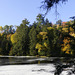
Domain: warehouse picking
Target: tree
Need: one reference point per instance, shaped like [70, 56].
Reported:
[33, 40]
[66, 47]
[40, 19]
[5, 45]
[21, 47]
[14, 38]
[1, 29]
[48, 4]
[11, 29]
[45, 25]
[6, 29]
[54, 43]
[59, 22]
[42, 45]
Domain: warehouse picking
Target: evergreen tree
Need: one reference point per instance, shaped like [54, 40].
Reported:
[53, 37]
[5, 45]
[59, 22]
[21, 47]
[33, 40]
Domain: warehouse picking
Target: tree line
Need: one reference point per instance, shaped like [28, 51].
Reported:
[42, 38]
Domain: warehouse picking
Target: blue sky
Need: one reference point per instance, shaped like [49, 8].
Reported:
[12, 12]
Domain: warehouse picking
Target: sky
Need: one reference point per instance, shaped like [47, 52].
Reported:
[12, 12]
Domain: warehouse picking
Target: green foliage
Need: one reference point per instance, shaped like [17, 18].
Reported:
[42, 46]
[7, 29]
[59, 22]
[42, 38]
[21, 46]
[33, 41]
[40, 19]
[5, 45]
[53, 37]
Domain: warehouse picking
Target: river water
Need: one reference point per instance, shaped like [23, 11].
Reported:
[30, 65]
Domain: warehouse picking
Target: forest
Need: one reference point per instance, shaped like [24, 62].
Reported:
[42, 38]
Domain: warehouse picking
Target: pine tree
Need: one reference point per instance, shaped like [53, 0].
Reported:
[21, 47]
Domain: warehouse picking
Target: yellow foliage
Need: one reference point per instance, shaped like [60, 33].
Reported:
[41, 47]
[13, 38]
[1, 34]
[45, 44]
[8, 36]
[0, 27]
[41, 36]
[72, 34]
[44, 37]
[43, 33]
[58, 26]
[67, 40]
[38, 46]
[71, 29]
[50, 28]
[67, 51]
[65, 29]
[66, 46]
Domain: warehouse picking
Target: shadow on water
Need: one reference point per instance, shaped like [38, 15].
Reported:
[65, 64]
[60, 64]
[20, 60]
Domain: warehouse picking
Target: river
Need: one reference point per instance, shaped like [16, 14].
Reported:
[30, 65]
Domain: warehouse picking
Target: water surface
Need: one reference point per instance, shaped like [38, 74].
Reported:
[22, 65]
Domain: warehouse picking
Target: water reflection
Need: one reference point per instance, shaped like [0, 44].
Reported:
[14, 60]
[60, 64]
[66, 64]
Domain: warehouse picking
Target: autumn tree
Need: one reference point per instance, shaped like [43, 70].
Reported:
[42, 45]
[1, 29]
[66, 47]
